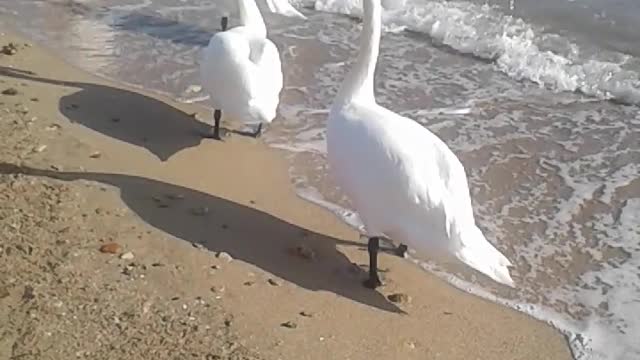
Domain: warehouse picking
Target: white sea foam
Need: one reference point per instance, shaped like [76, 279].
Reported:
[517, 48]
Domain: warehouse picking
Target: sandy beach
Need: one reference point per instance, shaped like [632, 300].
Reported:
[216, 256]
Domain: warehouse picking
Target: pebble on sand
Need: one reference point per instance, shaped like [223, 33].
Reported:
[193, 89]
[29, 293]
[224, 256]
[303, 251]
[201, 211]
[146, 306]
[95, 155]
[10, 49]
[10, 91]
[274, 282]
[289, 325]
[110, 248]
[217, 289]
[4, 292]
[174, 196]
[127, 256]
[399, 298]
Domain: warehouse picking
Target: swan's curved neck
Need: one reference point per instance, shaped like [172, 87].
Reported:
[358, 85]
[250, 17]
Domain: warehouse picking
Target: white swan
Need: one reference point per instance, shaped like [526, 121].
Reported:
[241, 68]
[405, 183]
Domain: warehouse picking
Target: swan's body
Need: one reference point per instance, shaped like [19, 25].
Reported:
[405, 183]
[241, 69]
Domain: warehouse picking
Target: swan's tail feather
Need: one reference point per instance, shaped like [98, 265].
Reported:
[262, 111]
[478, 253]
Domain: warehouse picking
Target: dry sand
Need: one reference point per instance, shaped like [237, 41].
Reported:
[85, 162]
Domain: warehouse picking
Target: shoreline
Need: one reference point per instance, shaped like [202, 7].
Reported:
[144, 150]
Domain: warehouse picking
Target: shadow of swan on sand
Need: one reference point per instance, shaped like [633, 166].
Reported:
[245, 233]
[124, 115]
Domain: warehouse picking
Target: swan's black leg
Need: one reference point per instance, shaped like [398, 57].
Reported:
[373, 281]
[217, 114]
[224, 22]
[258, 131]
[401, 250]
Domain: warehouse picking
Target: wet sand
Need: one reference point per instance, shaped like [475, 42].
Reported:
[121, 165]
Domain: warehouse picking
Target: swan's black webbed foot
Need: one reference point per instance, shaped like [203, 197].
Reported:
[401, 250]
[258, 131]
[219, 135]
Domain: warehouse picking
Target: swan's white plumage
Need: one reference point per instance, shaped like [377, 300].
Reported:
[405, 183]
[242, 73]
[241, 69]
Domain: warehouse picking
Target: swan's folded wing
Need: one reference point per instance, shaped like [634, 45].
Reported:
[266, 79]
[436, 175]
[243, 75]
[264, 55]
[219, 67]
